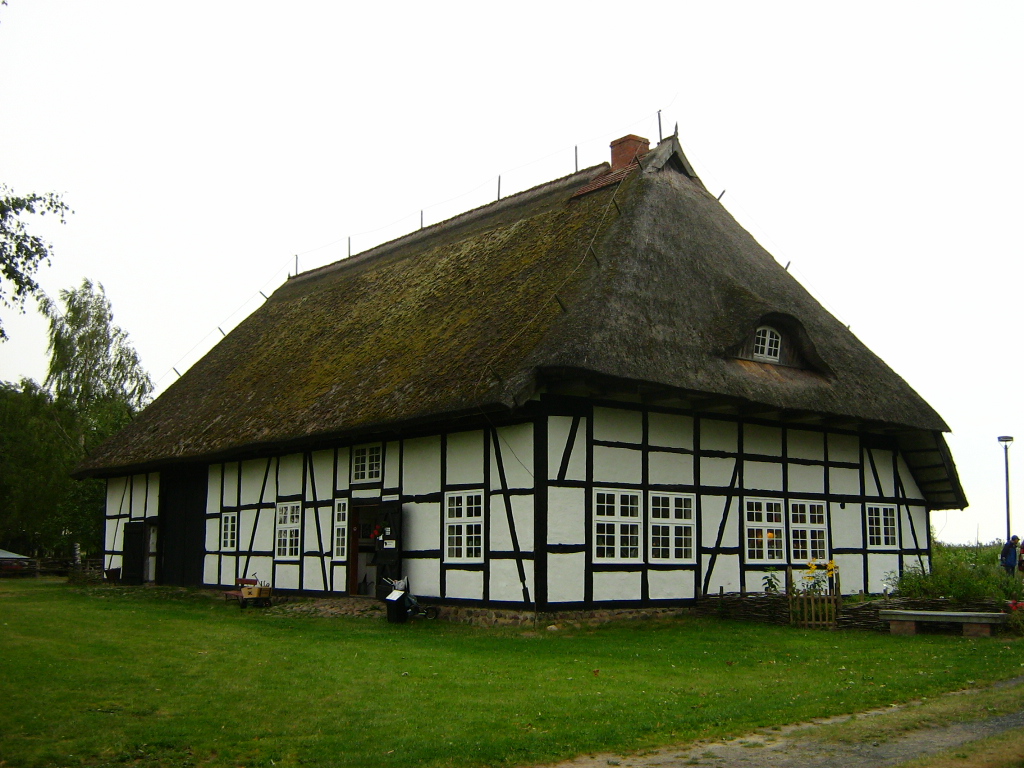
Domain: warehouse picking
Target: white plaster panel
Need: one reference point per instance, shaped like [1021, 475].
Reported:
[113, 561]
[264, 521]
[566, 574]
[920, 519]
[113, 535]
[253, 473]
[879, 565]
[153, 498]
[805, 478]
[716, 472]
[844, 481]
[802, 444]
[726, 574]
[343, 470]
[618, 425]
[313, 574]
[316, 530]
[762, 440]
[883, 465]
[337, 575]
[227, 570]
[843, 448]
[229, 489]
[465, 458]
[117, 496]
[422, 466]
[669, 431]
[711, 510]
[424, 576]
[617, 465]
[516, 446]
[718, 435]
[762, 476]
[213, 480]
[566, 518]
[847, 532]
[616, 586]
[910, 488]
[670, 585]
[289, 475]
[260, 568]
[211, 569]
[559, 429]
[421, 526]
[212, 534]
[522, 516]
[286, 575]
[503, 582]
[321, 476]
[366, 493]
[466, 585]
[137, 490]
[851, 573]
[392, 464]
[670, 468]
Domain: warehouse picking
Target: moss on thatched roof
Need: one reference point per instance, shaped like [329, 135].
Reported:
[647, 279]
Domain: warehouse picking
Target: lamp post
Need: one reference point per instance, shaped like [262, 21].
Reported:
[1006, 440]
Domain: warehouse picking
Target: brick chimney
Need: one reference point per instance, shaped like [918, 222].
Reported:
[627, 148]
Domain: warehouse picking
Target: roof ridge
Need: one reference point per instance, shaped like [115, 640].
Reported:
[459, 219]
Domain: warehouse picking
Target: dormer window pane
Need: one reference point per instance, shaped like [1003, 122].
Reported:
[767, 343]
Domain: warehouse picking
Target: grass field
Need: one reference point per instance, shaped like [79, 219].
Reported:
[104, 677]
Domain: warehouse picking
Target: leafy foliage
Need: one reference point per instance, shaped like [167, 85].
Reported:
[94, 369]
[960, 572]
[21, 252]
[95, 385]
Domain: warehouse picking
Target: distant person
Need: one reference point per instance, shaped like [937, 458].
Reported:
[1008, 556]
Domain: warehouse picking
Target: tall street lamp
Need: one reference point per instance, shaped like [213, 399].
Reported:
[1006, 440]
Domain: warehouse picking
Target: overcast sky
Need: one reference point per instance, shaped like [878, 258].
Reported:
[204, 145]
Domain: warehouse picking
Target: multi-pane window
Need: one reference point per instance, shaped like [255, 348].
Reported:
[767, 343]
[765, 531]
[464, 527]
[881, 526]
[671, 526]
[229, 531]
[340, 529]
[289, 518]
[807, 531]
[617, 526]
[366, 463]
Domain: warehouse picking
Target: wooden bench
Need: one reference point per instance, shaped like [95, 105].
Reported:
[975, 624]
[249, 590]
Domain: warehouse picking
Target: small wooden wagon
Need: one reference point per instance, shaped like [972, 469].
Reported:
[250, 591]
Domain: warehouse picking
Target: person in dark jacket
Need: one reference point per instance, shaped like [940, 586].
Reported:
[1008, 556]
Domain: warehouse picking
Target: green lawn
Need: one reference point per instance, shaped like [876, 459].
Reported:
[152, 678]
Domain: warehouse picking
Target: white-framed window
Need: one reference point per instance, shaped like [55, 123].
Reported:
[765, 532]
[229, 531]
[808, 534]
[767, 344]
[340, 529]
[881, 526]
[366, 463]
[289, 519]
[617, 526]
[671, 526]
[464, 527]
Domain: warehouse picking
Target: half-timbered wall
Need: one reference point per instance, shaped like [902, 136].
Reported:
[763, 496]
[585, 504]
[131, 499]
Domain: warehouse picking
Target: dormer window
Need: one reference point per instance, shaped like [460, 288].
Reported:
[767, 344]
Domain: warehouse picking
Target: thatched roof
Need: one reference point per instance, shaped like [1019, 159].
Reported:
[635, 278]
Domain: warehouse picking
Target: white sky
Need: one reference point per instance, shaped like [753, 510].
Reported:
[203, 144]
